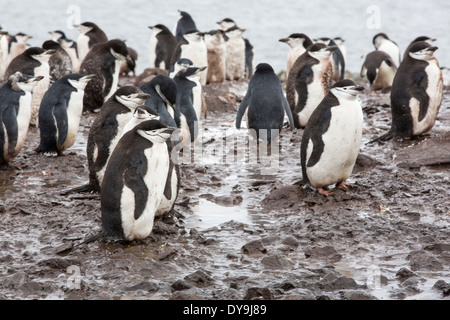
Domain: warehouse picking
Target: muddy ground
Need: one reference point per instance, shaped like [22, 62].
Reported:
[237, 231]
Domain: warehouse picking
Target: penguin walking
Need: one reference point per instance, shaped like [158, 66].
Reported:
[235, 62]
[379, 69]
[298, 43]
[188, 103]
[332, 138]
[416, 93]
[337, 61]
[15, 114]
[193, 47]
[217, 56]
[60, 62]
[60, 114]
[266, 105]
[103, 61]
[382, 42]
[309, 81]
[34, 62]
[17, 45]
[161, 47]
[107, 129]
[134, 183]
[184, 24]
[90, 34]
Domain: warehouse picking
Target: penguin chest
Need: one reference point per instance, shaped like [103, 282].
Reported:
[293, 55]
[385, 77]
[74, 111]
[392, 50]
[235, 62]
[197, 100]
[152, 53]
[82, 46]
[423, 123]
[115, 80]
[157, 158]
[341, 144]
[23, 121]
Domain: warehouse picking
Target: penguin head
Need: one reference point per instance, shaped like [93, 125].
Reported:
[346, 89]
[119, 50]
[85, 27]
[39, 54]
[65, 44]
[264, 68]
[424, 38]
[339, 41]
[131, 97]
[234, 32]
[326, 41]
[166, 88]
[226, 24]
[379, 38]
[57, 35]
[321, 51]
[22, 38]
[144, 112]
[193, 36]
[297, 39]
[181, 65]
[214, 37]
[155, 131]
[422, 51]
[23, 82]
[51, 45]
[79, 81]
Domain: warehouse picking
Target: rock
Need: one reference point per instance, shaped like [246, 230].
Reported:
[143, 285]
[357, 295]
[199, 279]
[290, 241]
[421, 260]
[327, 253]
[275, 262]
[258, 294]
[254, 247]
[404, 273]
[180, 285]
[343, 283]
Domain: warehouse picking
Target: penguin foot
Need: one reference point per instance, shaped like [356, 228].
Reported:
[326, 193]
[343, 186]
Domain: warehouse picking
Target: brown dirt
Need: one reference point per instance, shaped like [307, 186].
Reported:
[237, 233]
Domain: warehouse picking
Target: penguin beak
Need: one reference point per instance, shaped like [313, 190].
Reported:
[284, 40]
[332, 48]
[39, 78]
[143, 96]
[87, 78]
[433, 48]
[129, 60]
[50, 52]
[358, 88]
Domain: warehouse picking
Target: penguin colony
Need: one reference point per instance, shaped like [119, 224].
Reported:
[131, 141]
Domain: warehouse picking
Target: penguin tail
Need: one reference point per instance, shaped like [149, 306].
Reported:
[385, 137]
[98, 236]
[300, 183]
[81, 189]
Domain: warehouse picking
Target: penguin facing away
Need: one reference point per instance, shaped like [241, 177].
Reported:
[60, 114]
[235, 62]
[379, 69]
[60, 62]
[103, 61]
[298, 43]
[90, 34]
[416, 93]
[309, 81]
[15, 114]
[382, 42]
[337, 61]
[161, 47]
[216, 53]
[421, 38]
[266, 105]
[185, 23]
[107, 129]
[134, 183]
[332, 138]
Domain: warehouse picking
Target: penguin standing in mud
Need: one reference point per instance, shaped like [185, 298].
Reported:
[298, 43]
[134, 183]
[161, 47]
[15, 114]
[332, 138]
[103, 61]
[107, 129]
[416, 93]
[60, 62]
[34, 62]
[193, 47]
[188, 102]
[337, 60]
[217, 51]
[379, 69]
[90, 34]
[309, 81]
[60, 114]
[184, 24]
[266, 105]
[382, 42]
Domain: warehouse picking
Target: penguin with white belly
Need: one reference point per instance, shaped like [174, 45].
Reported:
[309, 81]
[134, 182]
[416, 93]
[161, 47]
[332, 138]
[107, 129]
[337, 61]
[236, 47]
[298, 43]
[103, 61]
[421, 38]
[60, 114]
[217, 56]
[15, 114]
[34, 62]
[379, 69]
[90, 34]
[17, 45]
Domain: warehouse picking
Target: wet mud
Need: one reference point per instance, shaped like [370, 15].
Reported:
[241, 228]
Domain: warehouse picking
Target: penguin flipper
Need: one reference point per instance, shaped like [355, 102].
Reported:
[288, 111]
[60, 115]
[134, 179]
[242, 107]
[305, 77]
[420, 83]
[12, 129]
